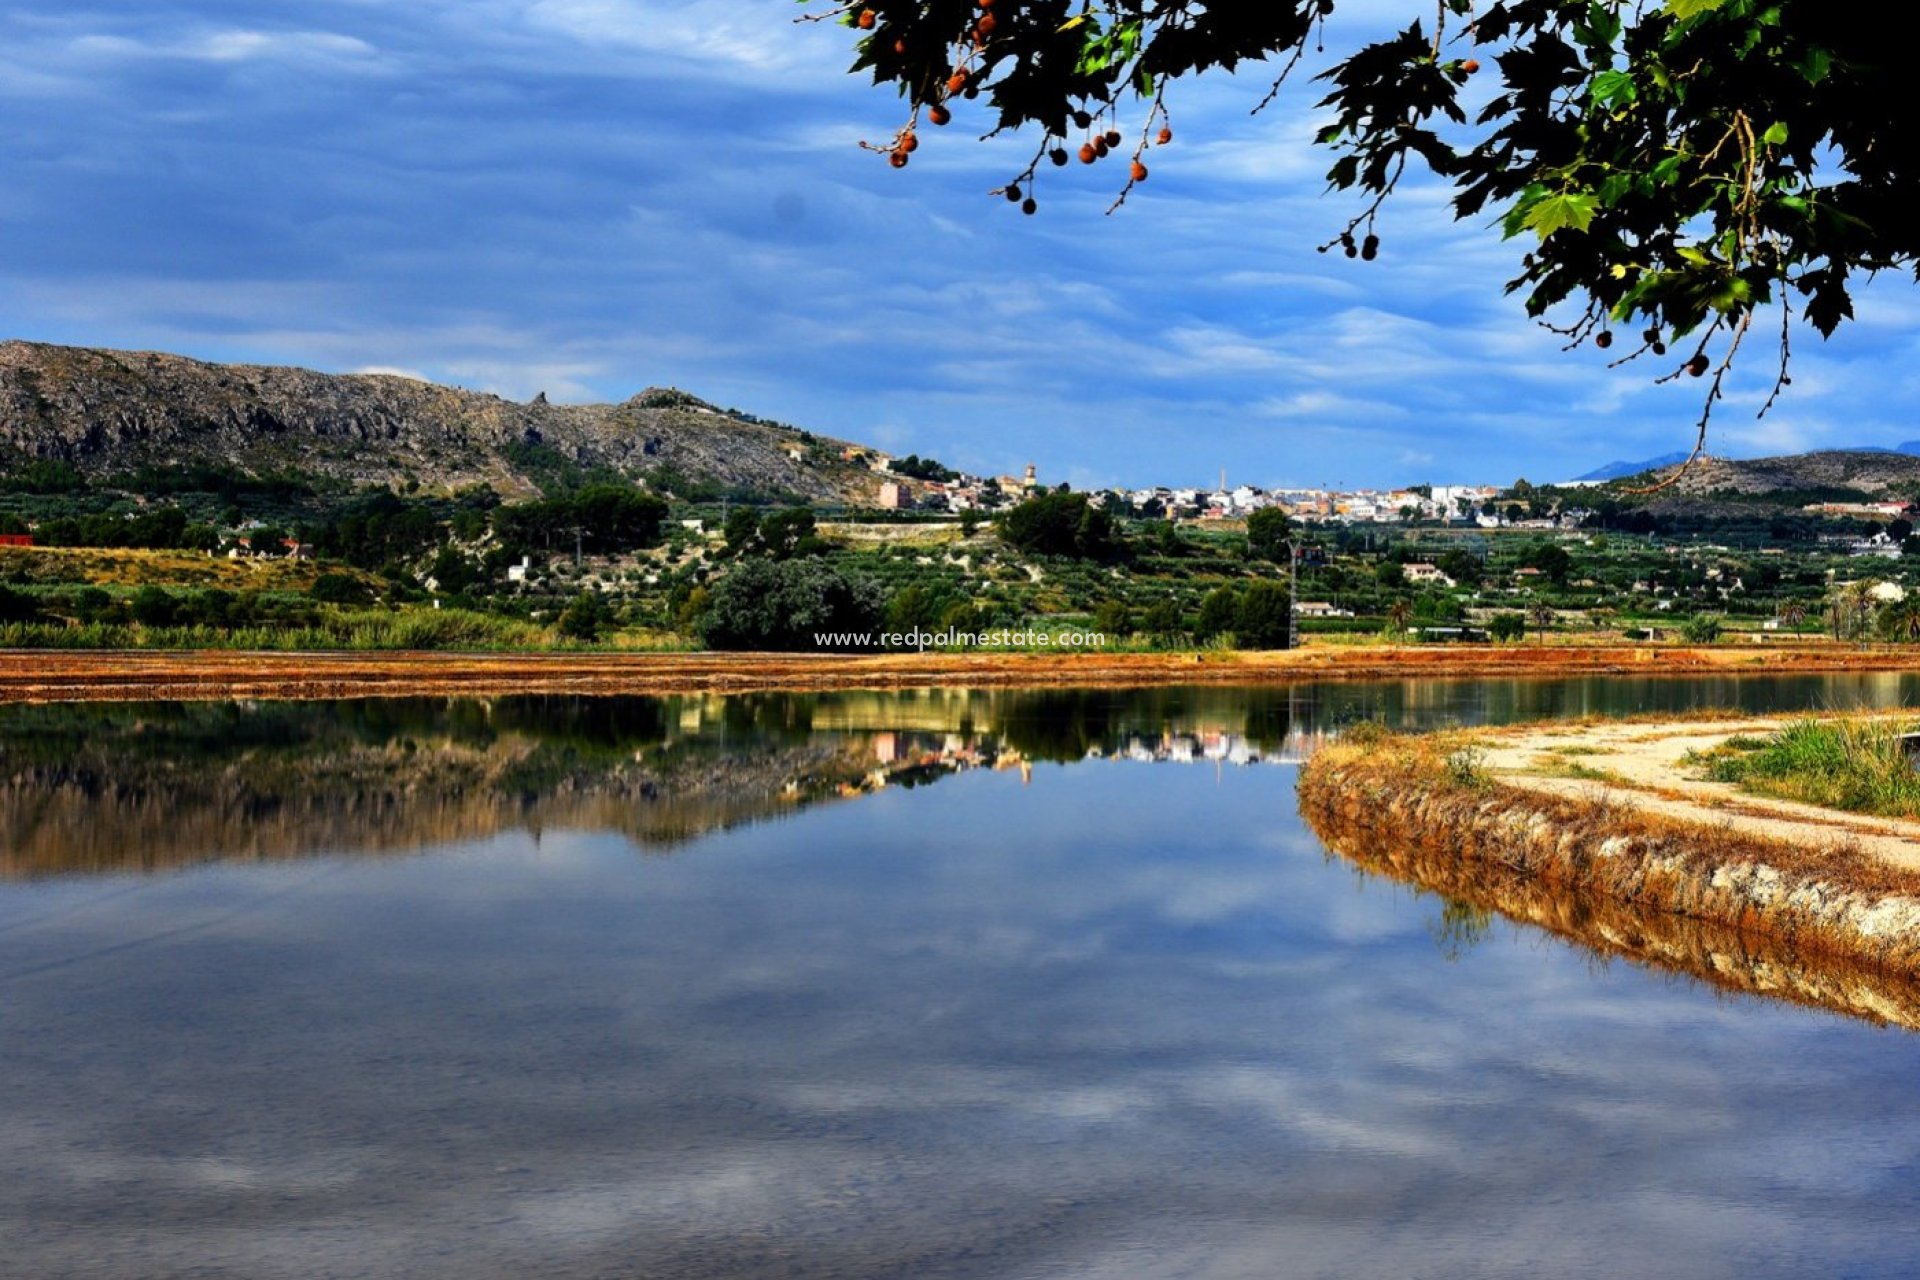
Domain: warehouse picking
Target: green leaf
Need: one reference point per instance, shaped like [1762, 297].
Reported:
[1610, 87]
[1684, 9]
[1567, 209]
[1776, 134]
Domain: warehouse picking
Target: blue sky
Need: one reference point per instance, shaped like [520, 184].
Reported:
[587, 197]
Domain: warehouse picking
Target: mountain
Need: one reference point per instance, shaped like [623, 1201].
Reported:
[1621, 470]
[105, 412]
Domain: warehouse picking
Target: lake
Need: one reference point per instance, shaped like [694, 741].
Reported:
[951, 984]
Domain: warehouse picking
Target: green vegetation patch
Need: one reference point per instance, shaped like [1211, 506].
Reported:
[1860, 766]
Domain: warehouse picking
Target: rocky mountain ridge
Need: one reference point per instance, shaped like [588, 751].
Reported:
[107, 412]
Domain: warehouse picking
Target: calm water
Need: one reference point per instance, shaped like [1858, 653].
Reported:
[1008, 985]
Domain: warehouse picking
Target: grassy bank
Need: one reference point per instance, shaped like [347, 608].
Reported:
[1860, 766]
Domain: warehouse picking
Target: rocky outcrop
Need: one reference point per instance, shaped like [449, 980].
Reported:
[114, 411]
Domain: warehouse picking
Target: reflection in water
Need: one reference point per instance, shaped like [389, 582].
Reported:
[1045, 1019]
[1725, 958]
[93, 788]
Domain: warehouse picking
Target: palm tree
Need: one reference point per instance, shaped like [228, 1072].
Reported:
[1901, 620]
[1850, 608]
[1399, 614]
[1792, 615]
[1541, 614]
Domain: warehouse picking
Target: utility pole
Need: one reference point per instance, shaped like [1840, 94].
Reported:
[1293, 594]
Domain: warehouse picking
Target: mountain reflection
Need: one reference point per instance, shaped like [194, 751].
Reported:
[130, 787]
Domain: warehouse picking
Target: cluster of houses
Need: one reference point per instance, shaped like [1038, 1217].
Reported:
[1464, 504]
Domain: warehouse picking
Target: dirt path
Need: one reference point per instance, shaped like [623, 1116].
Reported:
[1641, 764]
[59, 675]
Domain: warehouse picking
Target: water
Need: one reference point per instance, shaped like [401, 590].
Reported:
[863, 985]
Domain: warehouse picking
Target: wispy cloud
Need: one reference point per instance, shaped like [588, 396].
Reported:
[588, 196]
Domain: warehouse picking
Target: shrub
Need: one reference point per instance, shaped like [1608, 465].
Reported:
[339, 588]
[1113, 619]
[584, 617]
[154, 607]
[1702, 628]
[1507, 626]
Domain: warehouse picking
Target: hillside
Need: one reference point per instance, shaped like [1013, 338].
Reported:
[1723, 488]
[106, 412]
[1871, 472]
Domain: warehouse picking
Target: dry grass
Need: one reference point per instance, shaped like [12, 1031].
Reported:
[112, 566]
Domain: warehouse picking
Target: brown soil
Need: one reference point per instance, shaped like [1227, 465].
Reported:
[60, 675]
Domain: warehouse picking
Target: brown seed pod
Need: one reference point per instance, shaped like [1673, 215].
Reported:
[985, 26]
[866, 19]
[1470, 66]
[1087, 154]
[939, 114]
[1139, 172]
[909, 143]
[1166, 135]
[898, 159]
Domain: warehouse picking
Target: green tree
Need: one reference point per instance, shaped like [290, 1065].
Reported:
[791, 532]
[1269, 535]
[787, 605]
[1462, 566]
[742, 527]
[1218, 613]
[1062, 524]
[914, 607]
[1677, 166]
[1162, 620]
[1113, 619]
[1507, 626]
[1264, 619]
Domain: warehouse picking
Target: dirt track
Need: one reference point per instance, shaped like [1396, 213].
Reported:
[1642, 765]
[62, 676]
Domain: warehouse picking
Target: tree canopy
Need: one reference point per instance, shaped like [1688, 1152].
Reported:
[1679, 165]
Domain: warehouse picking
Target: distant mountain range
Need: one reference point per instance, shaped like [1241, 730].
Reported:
[1621, 470]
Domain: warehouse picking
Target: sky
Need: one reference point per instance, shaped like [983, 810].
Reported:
[591, 197]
